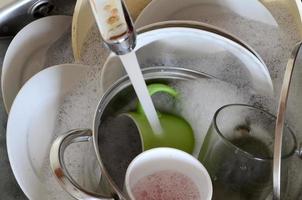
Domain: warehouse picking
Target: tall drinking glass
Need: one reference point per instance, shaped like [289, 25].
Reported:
[238, 152]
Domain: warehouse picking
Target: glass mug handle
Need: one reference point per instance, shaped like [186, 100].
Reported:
[59, 169]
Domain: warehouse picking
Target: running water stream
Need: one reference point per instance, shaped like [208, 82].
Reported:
[134, 72]
[116, 32]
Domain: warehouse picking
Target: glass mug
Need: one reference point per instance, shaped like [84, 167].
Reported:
[238, 152]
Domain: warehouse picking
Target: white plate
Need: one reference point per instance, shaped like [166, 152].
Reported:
[198, 9]
[25, 55]
[184, 46]
[271, 27]
[31, 124]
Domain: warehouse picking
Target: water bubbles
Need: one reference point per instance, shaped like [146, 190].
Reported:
[161, 187]
[199, 100]
[94, 52]
[60, 51]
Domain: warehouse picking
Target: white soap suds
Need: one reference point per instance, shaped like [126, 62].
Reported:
[94, 51]
[77, 111]
[60, 52]
[273, 44]
[200, 99]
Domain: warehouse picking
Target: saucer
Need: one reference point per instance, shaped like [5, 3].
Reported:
[31, 129]
[26, 53]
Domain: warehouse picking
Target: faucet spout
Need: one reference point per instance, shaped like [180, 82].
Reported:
[115, 25]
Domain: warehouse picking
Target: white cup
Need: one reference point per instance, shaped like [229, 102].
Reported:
[159, 159]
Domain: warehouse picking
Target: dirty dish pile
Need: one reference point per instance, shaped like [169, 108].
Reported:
[113, 132]
[40, 44]
[195, 70]
[119, 138]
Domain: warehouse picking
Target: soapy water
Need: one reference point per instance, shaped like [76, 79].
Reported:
[197, 103]
[273, 44]
[164, 185]
[199, 100]
[76, 111]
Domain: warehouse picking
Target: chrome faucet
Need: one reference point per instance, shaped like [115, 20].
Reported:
[15, 14]
[115, 25]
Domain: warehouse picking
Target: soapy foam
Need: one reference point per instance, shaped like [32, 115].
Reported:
[60, 52]
[166, 184]
[76, 111]
[200, 99]
[274, 45]
[94, 51]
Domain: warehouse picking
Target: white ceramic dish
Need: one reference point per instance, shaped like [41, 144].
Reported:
[31, 124]
[25, 55]
[271, 27]
[188, 45]
[197, 9]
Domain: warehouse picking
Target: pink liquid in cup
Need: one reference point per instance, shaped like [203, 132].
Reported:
[165, 185]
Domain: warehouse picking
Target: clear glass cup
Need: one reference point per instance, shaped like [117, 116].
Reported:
[238, 152]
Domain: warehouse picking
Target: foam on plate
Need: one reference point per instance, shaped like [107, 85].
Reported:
[77, 111]
[273, 44]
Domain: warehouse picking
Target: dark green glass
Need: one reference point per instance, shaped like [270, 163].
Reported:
[238, 153]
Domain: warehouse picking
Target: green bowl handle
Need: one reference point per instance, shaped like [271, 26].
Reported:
[155, 88]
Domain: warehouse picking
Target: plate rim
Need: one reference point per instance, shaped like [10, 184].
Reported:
[12, 51]
[176, 25]
[12, 132]
[140, 19]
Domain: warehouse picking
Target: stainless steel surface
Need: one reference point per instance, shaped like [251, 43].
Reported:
[280, 122]
[15, 14]
[60, 170]
[120, 44]
[127, 42]
[109, 105]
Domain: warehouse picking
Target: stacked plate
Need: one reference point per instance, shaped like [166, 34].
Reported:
[37, 99]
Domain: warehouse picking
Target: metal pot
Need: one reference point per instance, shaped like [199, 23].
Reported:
[108, 144]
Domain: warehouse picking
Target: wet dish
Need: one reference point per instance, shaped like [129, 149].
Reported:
[31, 125]
[26, 53]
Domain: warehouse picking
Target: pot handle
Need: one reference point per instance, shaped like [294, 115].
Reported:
[59, 169]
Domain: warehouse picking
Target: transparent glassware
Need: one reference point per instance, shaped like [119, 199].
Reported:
[238, 152]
